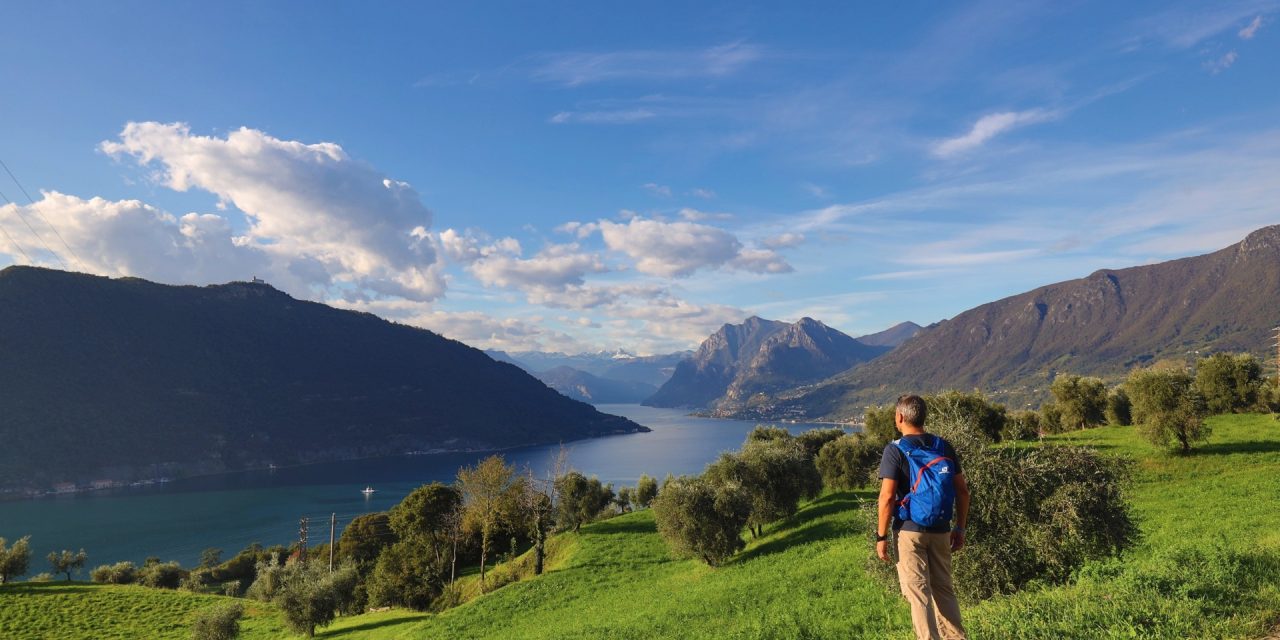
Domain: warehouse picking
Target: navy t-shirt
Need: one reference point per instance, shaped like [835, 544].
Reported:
[893, 464]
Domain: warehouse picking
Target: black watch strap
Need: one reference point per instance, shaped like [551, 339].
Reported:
[882, 538]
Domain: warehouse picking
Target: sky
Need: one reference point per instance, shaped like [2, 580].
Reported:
[592, 176]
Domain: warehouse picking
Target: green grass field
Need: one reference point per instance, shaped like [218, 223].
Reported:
[1208, 567]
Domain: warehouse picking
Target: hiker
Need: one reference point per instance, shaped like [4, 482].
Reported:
[920, 478]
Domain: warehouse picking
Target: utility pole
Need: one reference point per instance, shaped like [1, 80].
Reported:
[333, 523]
[1277, 346]
[302, 540]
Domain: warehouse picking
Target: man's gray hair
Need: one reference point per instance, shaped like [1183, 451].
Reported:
[913, 410]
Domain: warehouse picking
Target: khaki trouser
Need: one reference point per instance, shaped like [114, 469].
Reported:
[924, 571]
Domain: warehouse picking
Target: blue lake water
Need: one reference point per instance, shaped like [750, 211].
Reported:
[177, 520]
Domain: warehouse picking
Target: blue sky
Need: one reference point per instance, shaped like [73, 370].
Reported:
[605, 175]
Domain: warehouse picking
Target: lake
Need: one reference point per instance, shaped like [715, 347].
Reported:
[175, 521]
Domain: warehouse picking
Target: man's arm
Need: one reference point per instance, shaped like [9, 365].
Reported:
[962, 512]
[887, 488]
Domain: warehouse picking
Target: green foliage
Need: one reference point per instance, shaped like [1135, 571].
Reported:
[814, 440]
[1119, 408]
[118, 573]
[878, 424]
[210, 558]
[767, 433]
[14, 560]
[310, 596]
[1229, 382]
[218, 623]
[776, 474]
[406, 575]
[422, 513]
[161, 575]
[269, 575]
[580, 500]
[1022, 425]
[849, 462]
[646, 491]
[969, 421]
[1168, 408]
[1051, 418]
[623, 499]
[701, 519]
[1038, 514]
[1082, 401]
[67, 562]
[243, 566]
[364, 538]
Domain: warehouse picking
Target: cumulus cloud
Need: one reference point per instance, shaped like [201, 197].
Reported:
[310, 202]
[988, 127]
[131, 238]
[677, 249]
[1251, 29]
[474, 328]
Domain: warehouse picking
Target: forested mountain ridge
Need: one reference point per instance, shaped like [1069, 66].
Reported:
[1102, 324]
[123, 378]
[757, 357]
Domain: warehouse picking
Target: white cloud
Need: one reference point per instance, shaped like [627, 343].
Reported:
[657, 189]
[475, 328]
[1221, 64]
[574, 69]
[705, 194]
[988, 127]
[130, 238]
[622, 116]
[310, 202]
[501, 263]
[783, 241]
[676, 249]
[694, 215]
[1251, 29]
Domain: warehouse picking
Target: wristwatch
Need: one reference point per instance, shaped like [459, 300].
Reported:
[882, 538]
[958, 529]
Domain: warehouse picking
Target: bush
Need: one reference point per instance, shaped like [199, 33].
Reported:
[1119, 409]
[218, 623]
[15, 559]
[701, 519]
[814, 440]
[231, 588]
[406, 575]
[41, 577]
[580, 499]
[1037, 515]
[1050, 418]
[849, 462]
[646, 491]
[162, 575]
[878, 424]
[965, 419]
[1229, 382]
[1022, 425]
[118, 573]
[768, 433]
[1168, 408]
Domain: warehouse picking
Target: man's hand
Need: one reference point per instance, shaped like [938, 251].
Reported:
[957, 540]
[882, 550]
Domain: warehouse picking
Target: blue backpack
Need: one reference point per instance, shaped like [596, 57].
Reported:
[933, 490]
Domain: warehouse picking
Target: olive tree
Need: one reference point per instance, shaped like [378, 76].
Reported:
[1022, 425]
[1119, 409]
[878, 424]
[701, 519]
[646, 491]
[67, 562]
[1168, 408]
[1229, 382]
[580, 499]
[848, 462]
[1082, 401]
[775, 474]
[15, 559]
[221, 622]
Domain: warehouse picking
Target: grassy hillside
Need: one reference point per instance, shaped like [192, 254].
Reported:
[1209, 567]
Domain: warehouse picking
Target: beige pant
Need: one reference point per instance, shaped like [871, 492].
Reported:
[924, 571]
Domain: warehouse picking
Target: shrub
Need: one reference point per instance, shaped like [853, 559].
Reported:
[406, 575]
[218, 623]
[814, 440]
[768, 433]
[15, 559]
[41, 577]
[118, 573]
[1037, 515]
[1022, 425]
[1119, 409]
[231, 588]
[965, 419]
[162, 575]
[1167, 408]
[580, 499]
[646, 491]
[701, 519]
[269, 574]
[1083, 401]
[849, 462]
[1050, 418]
[878, 424]
[775, 474]
[1229, 382]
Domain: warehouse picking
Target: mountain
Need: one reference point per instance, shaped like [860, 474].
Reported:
[758, 357]
[1103, 324]
[583, 386]
[893, 336]
[122, 378]
[617, 366]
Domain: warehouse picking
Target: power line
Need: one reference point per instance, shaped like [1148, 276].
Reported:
[18, 210]
[46, 220]
[11, 240]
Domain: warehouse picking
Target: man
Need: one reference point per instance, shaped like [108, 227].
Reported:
[920, 475]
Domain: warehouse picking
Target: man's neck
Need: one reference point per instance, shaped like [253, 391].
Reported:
[915, 431]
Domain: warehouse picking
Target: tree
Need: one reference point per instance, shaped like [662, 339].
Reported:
[968, 416]
[623, 499]
[1022, 425]
[580, 499]
[161, 575]
[1050, 418]
[767, 433]
[1119, 412]
[849, 462]
[15, 559]
[536, 507]
[1083, 401]
[420, 518]
[118, 573]
[309, 595]
[646, 491]
[67, 562]
[405, 576]
[364, 538]
[775, 475]
[1168, 408]
[221, 622]
[487, 493]
[814, 440]
[210, 558]
[1229, 382]
[701, 519]
[878, 424]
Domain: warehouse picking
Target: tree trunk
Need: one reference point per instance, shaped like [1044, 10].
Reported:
[484, 551]
[538, 553]
[453, 563]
